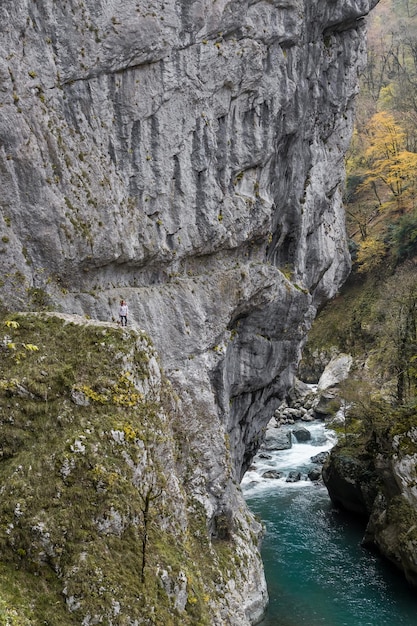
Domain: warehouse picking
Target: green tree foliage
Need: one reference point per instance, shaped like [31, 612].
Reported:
[403, 237]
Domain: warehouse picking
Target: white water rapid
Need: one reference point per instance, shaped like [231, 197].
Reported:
[297, 458]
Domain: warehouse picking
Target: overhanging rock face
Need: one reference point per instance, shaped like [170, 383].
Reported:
[187, 156]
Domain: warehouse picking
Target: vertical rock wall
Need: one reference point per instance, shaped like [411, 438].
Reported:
[187, 156]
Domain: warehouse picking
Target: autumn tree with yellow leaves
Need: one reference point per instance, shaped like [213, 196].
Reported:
[371, 252]
[389, 161]
[381, 167]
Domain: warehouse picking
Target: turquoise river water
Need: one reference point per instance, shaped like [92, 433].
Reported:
[317, 572]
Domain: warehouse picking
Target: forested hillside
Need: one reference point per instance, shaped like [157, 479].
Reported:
[375, 315]
[382, 161]
[374, 318]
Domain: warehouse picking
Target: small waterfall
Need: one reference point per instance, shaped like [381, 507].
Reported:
[293, 438]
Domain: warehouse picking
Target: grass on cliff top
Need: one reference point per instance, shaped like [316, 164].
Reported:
[68, 468]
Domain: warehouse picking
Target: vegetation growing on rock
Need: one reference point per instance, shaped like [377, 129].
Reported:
[88, 483]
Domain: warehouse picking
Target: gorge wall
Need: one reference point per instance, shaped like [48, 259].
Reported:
[376, 479]
[187, 156]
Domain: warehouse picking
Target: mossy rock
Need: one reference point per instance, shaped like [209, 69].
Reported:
[75, 476]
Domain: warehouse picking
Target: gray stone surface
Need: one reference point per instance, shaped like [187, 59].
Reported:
[186, 155]
[335, 371]
[314, 475]
[320, 458]
[197, 174]
[301, 434]
[272, 474]
[381, 485]
[293, 477]
[277, 439]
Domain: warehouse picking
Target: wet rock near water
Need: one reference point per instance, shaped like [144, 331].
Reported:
[320, 458]
[301, 434]
[301, 465]
[314, 475]
[293, 477]
[277, 439]
[272, 474]
[351, 481]
[379, 482]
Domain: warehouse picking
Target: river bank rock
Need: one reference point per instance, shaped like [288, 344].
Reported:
[351, 481]
[297, 406]
[276, 439]
[379, 480]
[320, 458]
[314, 474]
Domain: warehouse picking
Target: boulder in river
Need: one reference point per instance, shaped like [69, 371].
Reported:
[293, 477]
[301, 433]
[277, 439]
[272, 474]
[314, 474]
[320, 458]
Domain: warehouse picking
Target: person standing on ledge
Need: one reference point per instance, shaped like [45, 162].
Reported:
[123, 311]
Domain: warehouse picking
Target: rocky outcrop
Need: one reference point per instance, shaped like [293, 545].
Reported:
[188, 156]
[379, 482]
[351, 480]
[101, 506]
[336, 371]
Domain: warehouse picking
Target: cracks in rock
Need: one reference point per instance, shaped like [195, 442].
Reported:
[109, 72]
[227, 37]
[351, 24]
[320, 278]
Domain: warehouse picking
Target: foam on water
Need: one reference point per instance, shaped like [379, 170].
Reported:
[297, 458]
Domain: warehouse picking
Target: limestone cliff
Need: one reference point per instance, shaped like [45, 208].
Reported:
[99, 522]
[188, 156]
